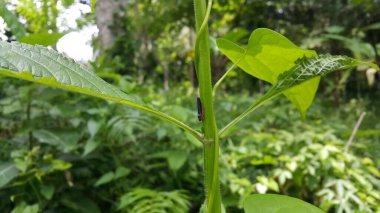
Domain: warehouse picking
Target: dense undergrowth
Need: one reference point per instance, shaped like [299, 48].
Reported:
[71, 153]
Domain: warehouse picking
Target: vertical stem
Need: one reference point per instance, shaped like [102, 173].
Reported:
[211, 140]
[28, 114]
[354, 131]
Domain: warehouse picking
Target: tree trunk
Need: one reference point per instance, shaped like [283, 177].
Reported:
[105, 18]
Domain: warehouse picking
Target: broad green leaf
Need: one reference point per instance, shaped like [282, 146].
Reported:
[236, 34]
[304, 70]
[90, 146]
[25, 208]
[358, 47]
[267, 55]
[65, 141]
[79, 203]
[272, 203]
[45, 66]
[121, 172]
[44, 39]
[47, 191]
[266, 160]
[67, 3]
[44, 136]
[8, 172]
[93, 127]
[106, 178]
[335, 29]
[374, 26]
[175, 158]
[59, 165]
[12, 21]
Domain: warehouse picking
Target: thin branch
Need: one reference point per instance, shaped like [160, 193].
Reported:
[262, 100]
[222, 78]
[354, 131]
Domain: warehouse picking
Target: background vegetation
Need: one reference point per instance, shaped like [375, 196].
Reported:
[62, 152]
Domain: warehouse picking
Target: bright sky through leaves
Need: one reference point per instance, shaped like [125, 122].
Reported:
[76, 45]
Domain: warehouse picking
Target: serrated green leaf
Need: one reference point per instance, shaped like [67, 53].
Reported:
[44, 39]
[306, 69]
[267, 55]
[17, 29]
[269, 203]
[8, 172]
[45, 66]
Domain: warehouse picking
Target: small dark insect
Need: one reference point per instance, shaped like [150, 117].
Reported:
[201, 113]
[88, 2]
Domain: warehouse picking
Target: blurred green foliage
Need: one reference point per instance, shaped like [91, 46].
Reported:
[101, 152]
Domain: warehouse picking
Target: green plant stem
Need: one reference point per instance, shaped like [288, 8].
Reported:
[201, 30]
[35, 192]
[217, 84]
[211, 140]
[166, 117]
[262, 100]
[28, 118]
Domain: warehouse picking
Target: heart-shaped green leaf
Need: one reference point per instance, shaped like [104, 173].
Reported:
[267, 55]
[272, 203]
